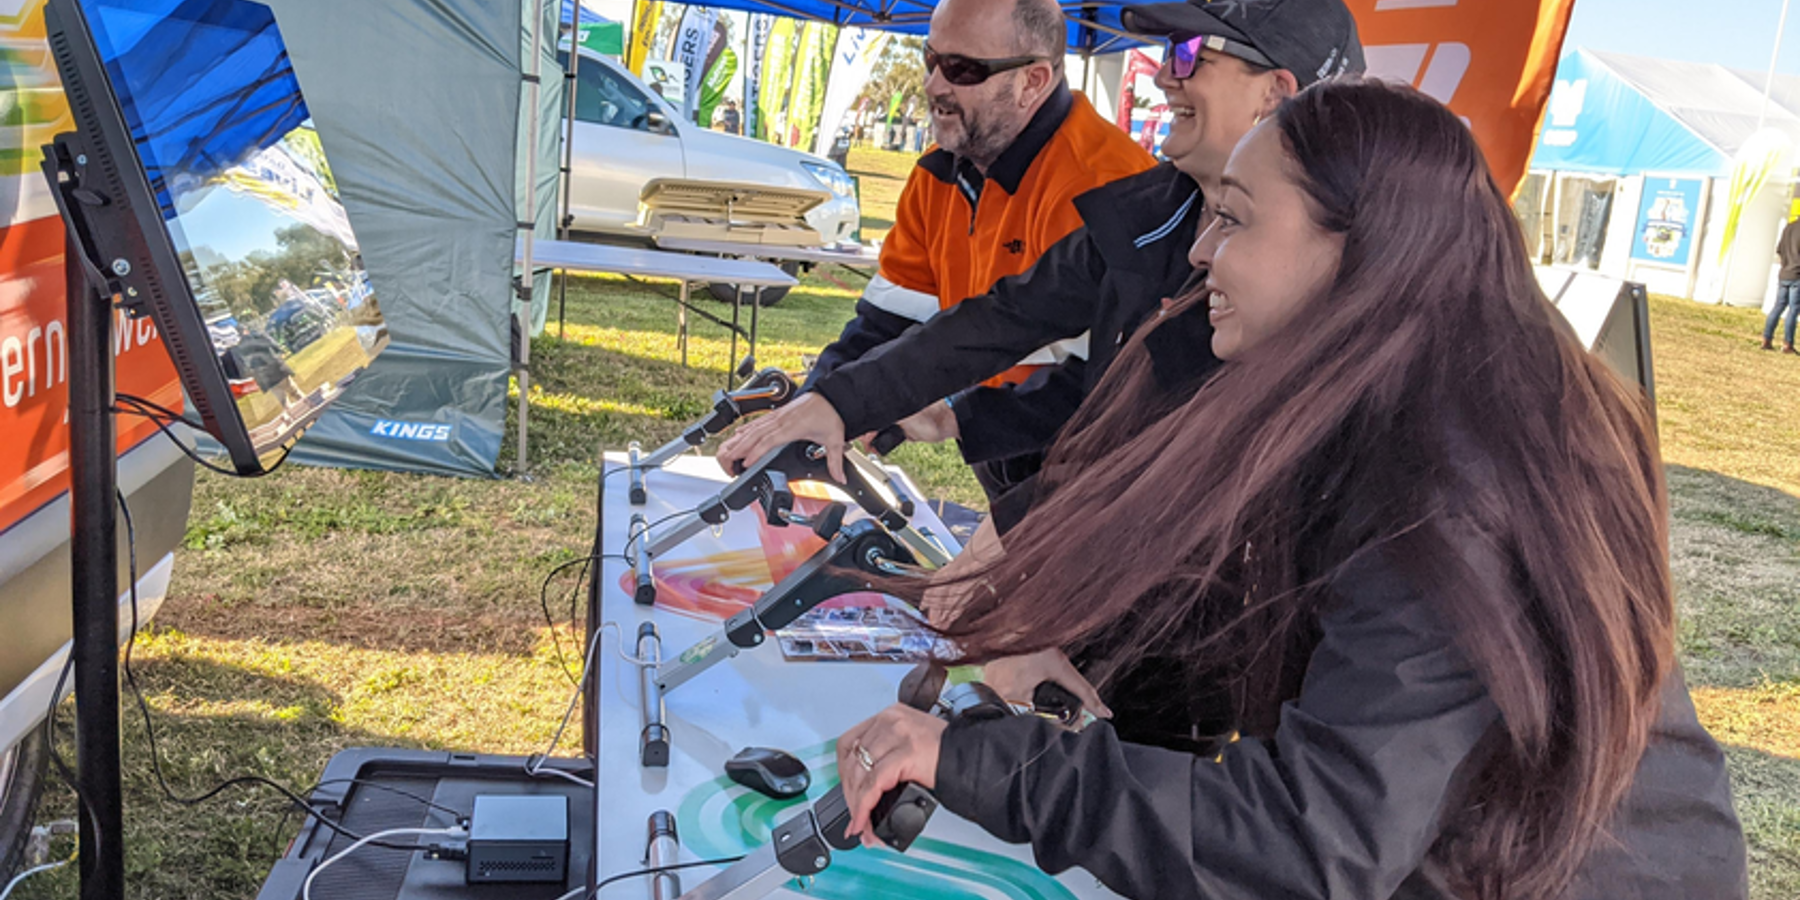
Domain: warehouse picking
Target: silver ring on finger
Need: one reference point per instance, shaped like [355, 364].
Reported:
[863, 757]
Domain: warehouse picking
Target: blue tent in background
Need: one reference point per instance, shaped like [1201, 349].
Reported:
[1616, 114]
[1094, 27]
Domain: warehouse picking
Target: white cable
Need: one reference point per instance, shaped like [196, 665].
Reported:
[306, 887]
[30, 872]
[534, 764]
[574, 894]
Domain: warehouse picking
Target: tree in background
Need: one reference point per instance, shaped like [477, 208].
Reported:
[900, 71]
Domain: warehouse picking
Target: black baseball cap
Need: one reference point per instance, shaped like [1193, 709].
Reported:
[1314, 39]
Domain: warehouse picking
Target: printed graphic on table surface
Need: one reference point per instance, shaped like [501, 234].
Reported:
[721, 818]
[720, 572]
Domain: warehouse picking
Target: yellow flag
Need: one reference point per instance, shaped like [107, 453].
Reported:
[643, 33]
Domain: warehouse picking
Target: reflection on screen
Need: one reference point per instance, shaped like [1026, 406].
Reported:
[220, 126]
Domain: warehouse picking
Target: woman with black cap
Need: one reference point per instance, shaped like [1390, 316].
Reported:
[1228, 64]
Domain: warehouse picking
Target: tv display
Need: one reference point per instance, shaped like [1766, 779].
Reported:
[221, 216]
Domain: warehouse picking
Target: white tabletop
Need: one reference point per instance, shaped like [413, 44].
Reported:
[577, 256]
[759, 699]
[860, 255]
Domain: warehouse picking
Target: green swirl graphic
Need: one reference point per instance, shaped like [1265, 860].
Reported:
[720, 818]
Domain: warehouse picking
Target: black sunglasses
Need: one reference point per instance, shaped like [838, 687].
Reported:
[968, 71]
[1184, 53]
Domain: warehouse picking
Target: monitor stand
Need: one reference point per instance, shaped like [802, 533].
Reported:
[93, 498]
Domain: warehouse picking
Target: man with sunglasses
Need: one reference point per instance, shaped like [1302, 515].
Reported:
[1228, 64]
[1015, 148]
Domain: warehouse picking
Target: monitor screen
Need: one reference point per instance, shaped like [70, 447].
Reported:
[255, 246]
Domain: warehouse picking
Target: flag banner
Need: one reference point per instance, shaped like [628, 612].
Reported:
[851, 66]
[1491, 63]
[811, 63]
[757, 44]
[718, 79]
[692, 41]
[644, 19]
[777, 78]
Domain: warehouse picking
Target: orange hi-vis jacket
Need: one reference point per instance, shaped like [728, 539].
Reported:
[956, 232]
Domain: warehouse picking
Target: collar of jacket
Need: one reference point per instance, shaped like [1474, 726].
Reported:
[1009, 170]
[1156, 210]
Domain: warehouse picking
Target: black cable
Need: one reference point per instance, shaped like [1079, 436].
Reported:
[150, 729]
[162, 424]
[287, 809]
[652, 527]
[171, 415]
[574, 592]
[62, 768]
[658, 870]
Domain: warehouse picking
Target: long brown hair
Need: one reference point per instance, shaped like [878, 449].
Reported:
[1430, 406]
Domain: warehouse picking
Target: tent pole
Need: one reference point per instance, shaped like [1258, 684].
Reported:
[1769, 84]
[528, 224]
[563, 223]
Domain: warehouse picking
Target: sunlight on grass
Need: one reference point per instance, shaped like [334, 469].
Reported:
[1765, 717]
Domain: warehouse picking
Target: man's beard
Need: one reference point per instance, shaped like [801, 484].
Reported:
[982, 136]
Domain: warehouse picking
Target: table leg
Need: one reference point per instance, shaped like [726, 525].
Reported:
[737, 304]
[755, 307]
[681, 325]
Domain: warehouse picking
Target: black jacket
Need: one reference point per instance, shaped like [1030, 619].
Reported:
[1105, 278]
[1346, 799]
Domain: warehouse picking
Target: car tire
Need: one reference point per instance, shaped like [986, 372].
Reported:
[765, 297]
[21, 783]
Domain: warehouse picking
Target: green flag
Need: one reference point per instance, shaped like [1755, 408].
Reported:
[606, 38]
[718, 78]
[778, 60]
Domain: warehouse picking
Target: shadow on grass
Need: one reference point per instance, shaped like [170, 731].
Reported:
[223, 846]
[1735, 556]
[1766, 792]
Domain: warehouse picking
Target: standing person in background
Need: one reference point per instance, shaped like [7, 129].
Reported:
[729, 118]
[1015, 148]
[1787, 293]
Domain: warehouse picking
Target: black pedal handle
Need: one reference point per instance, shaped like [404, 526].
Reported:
[887, 439]
[898, 819]
[830, 521]
[922, 686]
[1054, 700]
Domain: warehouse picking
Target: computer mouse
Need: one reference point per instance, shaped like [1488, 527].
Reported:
[769, 772]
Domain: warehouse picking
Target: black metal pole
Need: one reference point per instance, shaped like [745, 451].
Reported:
[94, 554]
[563, 222]
[590, 675]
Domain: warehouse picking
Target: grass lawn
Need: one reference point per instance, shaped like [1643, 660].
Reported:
[319, 609]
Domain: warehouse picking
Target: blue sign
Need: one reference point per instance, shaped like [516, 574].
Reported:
[411, 431]
[1667, 219]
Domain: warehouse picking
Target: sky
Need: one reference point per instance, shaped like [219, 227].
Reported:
[1736, 33]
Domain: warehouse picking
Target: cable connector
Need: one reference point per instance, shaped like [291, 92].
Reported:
[449, 851]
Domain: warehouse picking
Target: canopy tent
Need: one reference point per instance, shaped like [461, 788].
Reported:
[598, 33]
[1491, 63]
[422, 106]
[1616, 114]
[1094, 28]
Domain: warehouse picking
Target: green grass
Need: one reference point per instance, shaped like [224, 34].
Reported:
[320, 609]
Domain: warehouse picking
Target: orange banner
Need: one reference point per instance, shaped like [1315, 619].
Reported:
[34, 340]
[1493, 63]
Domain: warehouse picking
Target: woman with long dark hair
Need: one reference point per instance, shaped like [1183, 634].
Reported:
[1417, 530]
